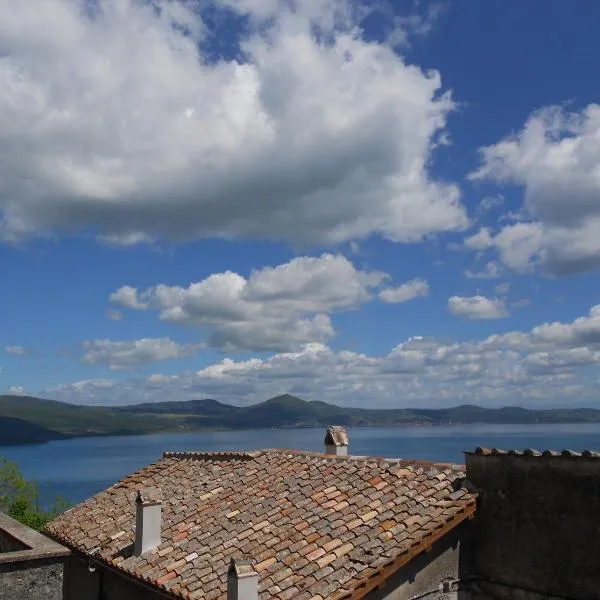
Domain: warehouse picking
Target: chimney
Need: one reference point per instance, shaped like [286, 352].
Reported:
[242, 580]
[336, 441]
[147, 521]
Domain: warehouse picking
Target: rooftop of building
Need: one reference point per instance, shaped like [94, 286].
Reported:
[314, 525]
[532, 452]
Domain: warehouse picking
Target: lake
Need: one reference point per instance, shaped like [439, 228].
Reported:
[79, 468]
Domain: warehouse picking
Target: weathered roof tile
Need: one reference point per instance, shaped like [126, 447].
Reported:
[531, 452]
[311, 523]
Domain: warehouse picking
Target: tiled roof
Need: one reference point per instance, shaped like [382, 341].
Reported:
[532, 452]
[317, 527]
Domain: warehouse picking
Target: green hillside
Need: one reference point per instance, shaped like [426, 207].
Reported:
[26, 419]
[17, 431]
[75, 420]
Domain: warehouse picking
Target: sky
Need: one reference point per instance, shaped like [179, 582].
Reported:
[391, 203]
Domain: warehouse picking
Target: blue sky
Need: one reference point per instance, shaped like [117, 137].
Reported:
[374, 204]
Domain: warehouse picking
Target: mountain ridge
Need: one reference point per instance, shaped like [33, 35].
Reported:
[38, 420]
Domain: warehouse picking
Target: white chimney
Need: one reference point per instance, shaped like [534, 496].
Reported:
[336, 441]
[147, 521]
[242, 580]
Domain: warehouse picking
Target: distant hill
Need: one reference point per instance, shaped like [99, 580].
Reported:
[70, 420]
[17, 431]
[36, 420]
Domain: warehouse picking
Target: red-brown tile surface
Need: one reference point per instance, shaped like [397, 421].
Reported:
[315, 526]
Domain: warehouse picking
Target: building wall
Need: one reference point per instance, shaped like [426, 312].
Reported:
[537, 526]
[9, 543]
[486, 590]
[31, 580]
[102, 584]
[448, 560]
[31, 565]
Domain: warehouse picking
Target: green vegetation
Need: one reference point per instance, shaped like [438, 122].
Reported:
[60, 419]
[19, 498]
[32, 420]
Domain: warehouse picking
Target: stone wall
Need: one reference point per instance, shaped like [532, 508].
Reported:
[31, 565]
[37, 580]
[537, 526]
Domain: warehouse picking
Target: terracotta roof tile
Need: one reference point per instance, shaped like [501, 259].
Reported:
[316, 526]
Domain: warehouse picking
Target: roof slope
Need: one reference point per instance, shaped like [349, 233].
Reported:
[315, 525]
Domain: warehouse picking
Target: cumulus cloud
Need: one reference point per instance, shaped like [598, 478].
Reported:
[555, 157]
[543, 362]
[114, 315]
[127, 297]
[552, 364]
[276, 308]
[112, 119]
[414, 288]
[17, 350]
[482, 240]
[477, 307]
[124, 354]
[492, 270]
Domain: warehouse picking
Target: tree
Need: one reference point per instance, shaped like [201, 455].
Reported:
[19, 498]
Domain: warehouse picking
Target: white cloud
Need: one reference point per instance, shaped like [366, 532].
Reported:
[482, 240]
[489, 203]
[16, 390]
[559, 360]
[126, 296]
[414, 288]
[584, 331]
[556, 158]
[403, 28]
[110, 120]
[491, 271]
[17, 350]
[133, 238]
[114, 315]
[123, 354]
[276, 308]
[536, 367]
[519, 245]
[477, 307]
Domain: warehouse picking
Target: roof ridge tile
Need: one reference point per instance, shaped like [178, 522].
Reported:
[532, 452]
[212, 455]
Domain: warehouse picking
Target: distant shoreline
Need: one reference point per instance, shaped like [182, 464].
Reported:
[26, 419]
[82, 435]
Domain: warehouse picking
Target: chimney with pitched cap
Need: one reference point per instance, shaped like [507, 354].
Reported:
[242, 580]
[336, 441]
[147, 521]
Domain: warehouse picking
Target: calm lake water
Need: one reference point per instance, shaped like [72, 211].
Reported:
[79, 468]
